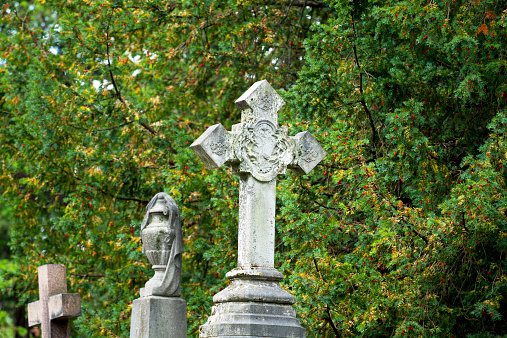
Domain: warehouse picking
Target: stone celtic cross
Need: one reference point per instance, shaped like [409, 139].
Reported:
[55, 306]
[258, 149]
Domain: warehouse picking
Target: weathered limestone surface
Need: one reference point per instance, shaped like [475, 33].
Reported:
[159, 312]
[258, 149]
[159, 317]
[256, 229]
[240, 319]
[55, 306]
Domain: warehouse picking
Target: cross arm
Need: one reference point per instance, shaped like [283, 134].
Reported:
[64, 306]
[307, 153]
[34, 313]
[214, 146]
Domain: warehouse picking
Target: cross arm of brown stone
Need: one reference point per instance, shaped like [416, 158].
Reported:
[34, 313]
[55, 305]
[64, 306]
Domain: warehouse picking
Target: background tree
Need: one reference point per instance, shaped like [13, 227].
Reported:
[399, 232]
[12, 318]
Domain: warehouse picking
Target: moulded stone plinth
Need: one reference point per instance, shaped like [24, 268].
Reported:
[253, 305]
[254, 285]
[157, 317]
[251, 319]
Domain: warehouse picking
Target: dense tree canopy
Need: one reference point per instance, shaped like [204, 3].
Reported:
[400, 231]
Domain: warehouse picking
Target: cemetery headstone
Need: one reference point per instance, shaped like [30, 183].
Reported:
[160, 312]
[258, 149]
[55, 306]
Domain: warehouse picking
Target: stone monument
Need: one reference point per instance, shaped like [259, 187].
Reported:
[55, 306]
[160, 312]
[258, 150]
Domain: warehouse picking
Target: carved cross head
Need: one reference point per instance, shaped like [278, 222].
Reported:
[258, 145]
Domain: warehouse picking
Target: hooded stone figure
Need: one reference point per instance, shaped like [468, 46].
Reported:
[163, 244]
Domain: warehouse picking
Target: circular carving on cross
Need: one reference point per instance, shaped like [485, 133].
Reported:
[263, 150]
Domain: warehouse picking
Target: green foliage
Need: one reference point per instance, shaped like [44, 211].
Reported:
[401, 230]
[7, 325]
[404, 228]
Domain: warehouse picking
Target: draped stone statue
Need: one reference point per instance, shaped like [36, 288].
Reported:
[160, 312]
[163, 244]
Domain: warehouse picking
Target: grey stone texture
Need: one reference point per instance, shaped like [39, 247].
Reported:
[258, 149]
[159, 317]
[55, 306]
[253, 305]
[159, 312]
[252, 319]
[254, 285]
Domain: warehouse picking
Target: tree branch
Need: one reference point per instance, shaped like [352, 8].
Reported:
[34, 39]
[121, 198]
[363, 102]
[147, 127]
[109, 64]
[297, 3]
[131, 199]
[88, 275]
[324, 206]
[333, 326]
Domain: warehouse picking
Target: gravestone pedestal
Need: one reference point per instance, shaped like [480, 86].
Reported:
[159, 312]
[155, 316]
[253, 305]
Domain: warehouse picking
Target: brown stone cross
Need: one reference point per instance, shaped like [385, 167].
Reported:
[55, 306]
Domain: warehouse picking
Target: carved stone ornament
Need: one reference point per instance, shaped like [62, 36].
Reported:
[263, 150]
[163, 245]
[258, 145]
[260, 102]
[307, 153]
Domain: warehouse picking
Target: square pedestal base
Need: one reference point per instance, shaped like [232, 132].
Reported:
[158, 317]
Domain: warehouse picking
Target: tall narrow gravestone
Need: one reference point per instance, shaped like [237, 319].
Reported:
[160, 312]
[258, 149]
[55, 306]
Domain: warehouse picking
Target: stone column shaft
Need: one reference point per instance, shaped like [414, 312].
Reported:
[256, 229]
